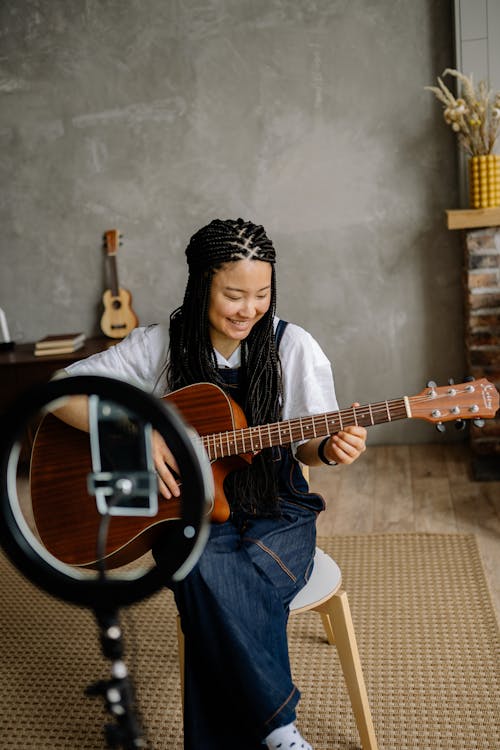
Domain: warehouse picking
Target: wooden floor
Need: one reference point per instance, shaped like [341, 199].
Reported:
[413, 488]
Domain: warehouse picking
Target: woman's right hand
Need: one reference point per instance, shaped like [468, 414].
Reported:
[165, 463]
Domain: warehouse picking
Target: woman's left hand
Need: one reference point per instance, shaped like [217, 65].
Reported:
[347, 445]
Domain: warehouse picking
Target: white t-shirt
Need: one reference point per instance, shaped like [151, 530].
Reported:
[140, 358]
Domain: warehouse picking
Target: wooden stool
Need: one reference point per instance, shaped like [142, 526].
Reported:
[323, 594]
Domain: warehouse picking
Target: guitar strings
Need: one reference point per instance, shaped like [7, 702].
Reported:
[249, 439]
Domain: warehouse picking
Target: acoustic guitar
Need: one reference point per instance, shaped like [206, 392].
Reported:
[118, 318]
[66, 516]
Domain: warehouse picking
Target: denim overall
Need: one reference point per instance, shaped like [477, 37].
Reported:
[234, 611]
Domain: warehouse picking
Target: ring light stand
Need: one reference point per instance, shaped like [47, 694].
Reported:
[105, 594]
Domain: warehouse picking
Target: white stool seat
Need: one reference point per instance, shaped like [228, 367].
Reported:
[324, 582]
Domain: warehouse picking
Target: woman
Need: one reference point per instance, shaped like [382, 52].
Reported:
[234, 603]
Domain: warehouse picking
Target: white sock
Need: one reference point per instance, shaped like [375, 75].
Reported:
[284, 738]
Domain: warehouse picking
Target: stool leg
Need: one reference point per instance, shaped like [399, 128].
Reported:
[339, 614]
[180, 644]
[327, 624]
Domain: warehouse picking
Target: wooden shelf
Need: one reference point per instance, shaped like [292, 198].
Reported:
[471, 218]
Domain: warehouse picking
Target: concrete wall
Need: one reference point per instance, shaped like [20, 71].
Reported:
[308, 116]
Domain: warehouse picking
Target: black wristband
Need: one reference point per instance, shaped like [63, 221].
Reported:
[321, 452]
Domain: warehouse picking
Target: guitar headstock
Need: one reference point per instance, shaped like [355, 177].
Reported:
[113, 239]
[472, 400]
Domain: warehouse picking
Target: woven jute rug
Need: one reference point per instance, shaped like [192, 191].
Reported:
[424, 621]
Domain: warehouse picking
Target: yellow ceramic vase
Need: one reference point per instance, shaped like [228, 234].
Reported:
[484, 177]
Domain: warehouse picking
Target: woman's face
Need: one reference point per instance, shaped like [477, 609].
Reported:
[240, 296]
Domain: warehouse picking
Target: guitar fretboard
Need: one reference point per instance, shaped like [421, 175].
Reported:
[251, 439]
[113, 275]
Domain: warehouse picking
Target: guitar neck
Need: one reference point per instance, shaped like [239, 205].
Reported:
[113, 275]
[250, 439]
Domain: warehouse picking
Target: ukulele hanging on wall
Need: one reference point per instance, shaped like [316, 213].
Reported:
[118, 318]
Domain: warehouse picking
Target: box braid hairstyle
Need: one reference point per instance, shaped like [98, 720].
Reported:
[192, 358]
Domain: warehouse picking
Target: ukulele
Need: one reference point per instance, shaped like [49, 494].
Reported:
[66, 516]
[118, 318]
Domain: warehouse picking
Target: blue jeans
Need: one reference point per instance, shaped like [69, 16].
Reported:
[234, 612]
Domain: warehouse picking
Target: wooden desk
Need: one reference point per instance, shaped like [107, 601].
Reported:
[20, 369]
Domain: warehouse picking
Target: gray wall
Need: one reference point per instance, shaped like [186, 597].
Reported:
[309, 117]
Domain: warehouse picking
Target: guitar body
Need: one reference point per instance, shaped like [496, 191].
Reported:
[66, 516]
[118, 318]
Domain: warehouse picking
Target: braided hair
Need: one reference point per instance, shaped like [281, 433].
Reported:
[192, 358]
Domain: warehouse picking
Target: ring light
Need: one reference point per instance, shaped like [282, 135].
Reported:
[187, 536]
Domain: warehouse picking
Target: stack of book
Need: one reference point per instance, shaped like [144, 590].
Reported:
[61, 343]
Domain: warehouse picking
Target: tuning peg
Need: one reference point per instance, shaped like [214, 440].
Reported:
[478, 422]
[460, 424]
[451, 381]
[440, 427]
[468, 379]
[431, 384]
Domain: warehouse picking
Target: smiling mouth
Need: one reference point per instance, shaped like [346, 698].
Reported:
[239, 323]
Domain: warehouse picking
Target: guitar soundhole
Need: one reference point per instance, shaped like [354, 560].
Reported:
[116, 304]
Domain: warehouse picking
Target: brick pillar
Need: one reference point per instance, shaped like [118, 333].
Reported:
[482, 295]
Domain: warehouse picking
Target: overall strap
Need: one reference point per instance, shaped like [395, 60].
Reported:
[230, 375]
[280, 330]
